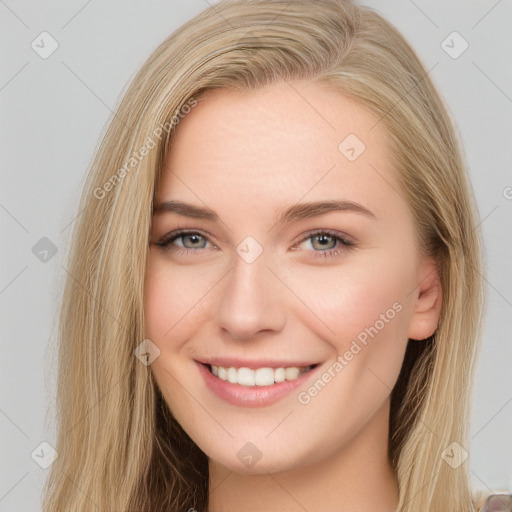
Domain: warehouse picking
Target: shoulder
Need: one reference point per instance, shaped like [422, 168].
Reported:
[497, 502]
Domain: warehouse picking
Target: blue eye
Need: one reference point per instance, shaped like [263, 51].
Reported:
[324, 243]
[195, 237]
[340, 243]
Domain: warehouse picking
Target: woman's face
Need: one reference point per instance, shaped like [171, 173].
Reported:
[299, 252]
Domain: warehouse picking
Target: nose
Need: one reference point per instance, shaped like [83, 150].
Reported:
[252, 301]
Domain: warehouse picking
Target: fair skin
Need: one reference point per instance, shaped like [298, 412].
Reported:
[248, 156]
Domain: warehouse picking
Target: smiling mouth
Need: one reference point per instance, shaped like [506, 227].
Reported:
[259, 376]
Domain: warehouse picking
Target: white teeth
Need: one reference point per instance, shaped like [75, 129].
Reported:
[232, 376]
[279, 375]
[246, 377]
[259, 377]
[291, 373]
[264, 376]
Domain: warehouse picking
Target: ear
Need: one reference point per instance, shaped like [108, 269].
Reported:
[427, 301]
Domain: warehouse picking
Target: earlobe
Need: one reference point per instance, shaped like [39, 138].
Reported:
[428, 300]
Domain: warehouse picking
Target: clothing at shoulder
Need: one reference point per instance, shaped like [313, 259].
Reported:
[495, 502]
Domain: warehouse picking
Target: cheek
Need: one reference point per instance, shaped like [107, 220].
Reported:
[362, 310]
[174, 296]
[366, 292]
[367, 308]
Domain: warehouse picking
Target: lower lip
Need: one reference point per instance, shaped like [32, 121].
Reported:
[250, 396]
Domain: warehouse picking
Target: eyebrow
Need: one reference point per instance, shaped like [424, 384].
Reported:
[292, 214]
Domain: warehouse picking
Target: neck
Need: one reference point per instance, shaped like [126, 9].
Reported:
[357, 476]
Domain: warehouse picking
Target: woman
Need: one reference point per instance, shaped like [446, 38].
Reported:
[321, 337]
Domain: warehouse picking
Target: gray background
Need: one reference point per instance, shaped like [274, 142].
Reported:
[55, 110]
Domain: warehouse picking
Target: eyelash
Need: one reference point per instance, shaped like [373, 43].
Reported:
[166, 241]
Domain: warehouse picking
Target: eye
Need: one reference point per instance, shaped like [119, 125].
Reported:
[191, 241]
[327, 243]
[324, 243]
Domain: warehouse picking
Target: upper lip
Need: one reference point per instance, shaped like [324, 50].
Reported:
[254, 364]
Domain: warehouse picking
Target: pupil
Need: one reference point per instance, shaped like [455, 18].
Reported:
[194, 238]
[323, 239]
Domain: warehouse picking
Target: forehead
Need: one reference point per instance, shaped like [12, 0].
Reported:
[275, 146]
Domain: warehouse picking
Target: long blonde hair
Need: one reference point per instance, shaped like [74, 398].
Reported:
[119, 447]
